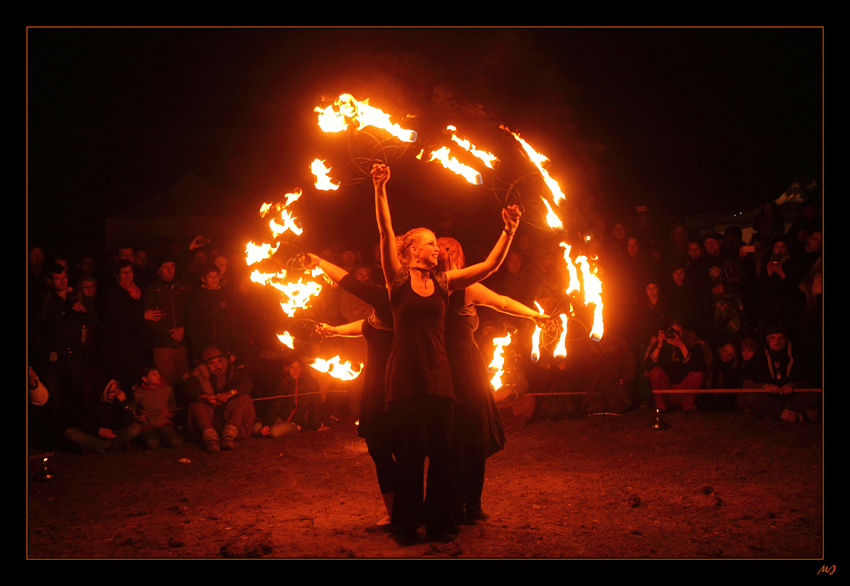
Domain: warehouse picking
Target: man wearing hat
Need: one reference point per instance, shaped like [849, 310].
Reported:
[220, 401]
[165, 312]
[776, 372]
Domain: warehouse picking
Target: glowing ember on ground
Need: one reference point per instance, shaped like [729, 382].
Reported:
[539, 160]
[337, 369]
[452, 164]
[323, 182]
[498, 362]
[347, 111]
[255, 253]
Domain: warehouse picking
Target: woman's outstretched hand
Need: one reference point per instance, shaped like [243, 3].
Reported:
[511, 216]
[308, 260]
[380, 175]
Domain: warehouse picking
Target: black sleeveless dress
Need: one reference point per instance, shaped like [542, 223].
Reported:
[479, 432]
[479, 427]
[418, 364]
[420, 406]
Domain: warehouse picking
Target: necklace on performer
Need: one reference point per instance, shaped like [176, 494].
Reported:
[425, 272]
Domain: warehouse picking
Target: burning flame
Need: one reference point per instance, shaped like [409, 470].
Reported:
[290, 197]
[288, 224]
[347, 111]
[592, 294]
[452, 164]
[255, 253]
[573, 286]
[551, 217]
[266, 278]
[535, 338]
[498, 361]
[336, 369]
[286, 339]
[539, 160]
[323, 182]
[489, 159]
[298, 295]
[561, 349]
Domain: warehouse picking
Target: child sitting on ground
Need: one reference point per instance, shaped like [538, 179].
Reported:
[155, 404]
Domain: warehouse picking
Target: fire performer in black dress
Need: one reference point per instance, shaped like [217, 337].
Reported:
[420, 395]
[377, 329]
[479, 432]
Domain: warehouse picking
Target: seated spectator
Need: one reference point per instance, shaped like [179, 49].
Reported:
[220, 402]
[41, 417]
[155, 405]
[675, 360]
[108, 421]
[290, 413]
[726, 374]
[776, 372]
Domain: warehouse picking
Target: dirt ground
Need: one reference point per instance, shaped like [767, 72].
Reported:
[713, 485]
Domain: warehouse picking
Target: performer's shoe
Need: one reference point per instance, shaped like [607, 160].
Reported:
[406, 537]
[473, 515]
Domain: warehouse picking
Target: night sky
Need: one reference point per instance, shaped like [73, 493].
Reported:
[686, 121]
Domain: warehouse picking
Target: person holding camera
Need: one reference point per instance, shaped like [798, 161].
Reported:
[675, 359]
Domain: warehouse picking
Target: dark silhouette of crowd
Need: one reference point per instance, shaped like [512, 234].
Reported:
[152, 347]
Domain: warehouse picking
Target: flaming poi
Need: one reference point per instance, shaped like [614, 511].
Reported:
[347, 112]
[323, 182]
[539, 160]
[497, 364]
[535, 338]
[443, 156]
[561, 349]
[336, 368]
[286, 339]
[255, 253]
[592, 294]
[489, 159]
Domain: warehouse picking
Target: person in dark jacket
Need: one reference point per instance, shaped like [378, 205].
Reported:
[109, 420]
[211, 317]
[220, 401]
[165, 303]
[776, 372]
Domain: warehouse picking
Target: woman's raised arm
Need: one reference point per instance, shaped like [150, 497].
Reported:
[462, 278]
[389, 254]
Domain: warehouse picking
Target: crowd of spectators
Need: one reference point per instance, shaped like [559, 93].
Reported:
[141, 347]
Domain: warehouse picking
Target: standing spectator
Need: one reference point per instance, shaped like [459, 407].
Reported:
[60, 344]
[211, 317]
[165, 303]
[124, 339]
